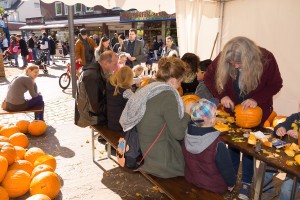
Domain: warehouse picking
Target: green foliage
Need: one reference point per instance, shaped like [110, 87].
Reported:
[2, 11]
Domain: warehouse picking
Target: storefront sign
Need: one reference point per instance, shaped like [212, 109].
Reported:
[134, 16]
[35, 21]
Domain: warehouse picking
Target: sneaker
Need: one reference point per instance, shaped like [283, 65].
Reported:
[245, 192]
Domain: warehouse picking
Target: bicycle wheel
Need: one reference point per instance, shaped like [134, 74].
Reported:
[64, 80]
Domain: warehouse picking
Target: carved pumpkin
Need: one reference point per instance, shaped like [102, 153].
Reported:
[297, 159]
[47, 183]
[8, 130]
[37, 127]
[20, 152]
[248, 118]
[272, 116]
[221, 127]
[252, 139]
[39, 197]
[19, 139]
[3, 193]
[4, 139]
[278, 119]
[16, 183]
[3, 167]
[22, 165]
[180, 91]
[41, 168]
[33, 153]
[46, 159]
[8, 151]
[23, 125]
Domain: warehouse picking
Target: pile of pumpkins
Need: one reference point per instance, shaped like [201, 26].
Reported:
[24, 170]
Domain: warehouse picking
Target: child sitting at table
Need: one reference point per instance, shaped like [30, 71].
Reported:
[201, 90]
[207, 161]
[290, 127]
[122, 60]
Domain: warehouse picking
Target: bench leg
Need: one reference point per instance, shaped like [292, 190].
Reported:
[259, 180]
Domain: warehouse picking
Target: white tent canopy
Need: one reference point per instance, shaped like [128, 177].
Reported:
[154, 5]
[272, 24]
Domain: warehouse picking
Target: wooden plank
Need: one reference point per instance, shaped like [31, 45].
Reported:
[5, 112]
[110, 136]
[178, 188]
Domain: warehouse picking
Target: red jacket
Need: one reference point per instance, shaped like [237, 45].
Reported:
[270, 84]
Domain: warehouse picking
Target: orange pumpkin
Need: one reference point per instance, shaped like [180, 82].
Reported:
[23, 125]
[189, 99]
[8, 151]
[33, 153]
[41, 168]
[46, 159]
[3, 168]
[16, 183]
[47, 183]
[272, 116]
[267, 124]
[4, 139]
[3, 194]
[278, 119]
[8, 130]
[248, 118]
[22, 165]
[37, 127]
[145, 82]
[20, 152]
[19, 139]
[180, 91]
[39, 197]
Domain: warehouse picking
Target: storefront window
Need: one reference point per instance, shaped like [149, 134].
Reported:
[78, 8]
[58, 8]
[89, 9]
[66, 9]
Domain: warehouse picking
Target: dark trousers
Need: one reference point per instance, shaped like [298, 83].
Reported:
[247, 164]
[37, 102]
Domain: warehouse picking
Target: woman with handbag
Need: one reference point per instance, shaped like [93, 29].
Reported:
[14, 49]
[151, 107]
[15, 100]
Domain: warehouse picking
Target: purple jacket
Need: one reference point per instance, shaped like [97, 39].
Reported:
[270, 84]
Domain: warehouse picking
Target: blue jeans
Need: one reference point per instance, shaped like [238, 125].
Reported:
[37, 102]
[15, 56]
[34, 53]
[247, 164]
[48, 58]
[286, 188]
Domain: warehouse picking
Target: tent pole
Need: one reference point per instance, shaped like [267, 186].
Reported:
[72, 49]
[222, 4]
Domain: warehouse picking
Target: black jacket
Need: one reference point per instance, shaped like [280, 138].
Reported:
[115, 107]
[90, 104]
[52, 47]
[30, 43]
[23, 47]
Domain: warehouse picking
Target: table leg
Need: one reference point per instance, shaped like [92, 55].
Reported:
[254, 171]
[259, 180]
[93, 144]
[293, 192]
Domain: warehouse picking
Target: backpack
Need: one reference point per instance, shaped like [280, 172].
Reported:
[129, 153]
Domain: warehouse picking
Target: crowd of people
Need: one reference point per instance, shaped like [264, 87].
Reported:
[111, 91]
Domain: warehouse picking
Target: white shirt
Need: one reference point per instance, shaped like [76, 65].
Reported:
[5, 42]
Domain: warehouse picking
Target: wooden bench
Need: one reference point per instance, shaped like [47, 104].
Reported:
[36, 109]
[175, 188]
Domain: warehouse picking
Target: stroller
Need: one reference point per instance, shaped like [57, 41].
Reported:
[41, 61]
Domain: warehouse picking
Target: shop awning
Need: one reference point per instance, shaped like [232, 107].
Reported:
[64, 23]
[38, 27]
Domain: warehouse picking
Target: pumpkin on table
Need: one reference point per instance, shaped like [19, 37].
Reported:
[278, 119]
[189, 100]
[37, 127]
[248, 118]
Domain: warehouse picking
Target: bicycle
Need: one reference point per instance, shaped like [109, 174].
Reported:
[65, 78]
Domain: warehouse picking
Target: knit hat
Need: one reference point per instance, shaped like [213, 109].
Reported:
[204, 110]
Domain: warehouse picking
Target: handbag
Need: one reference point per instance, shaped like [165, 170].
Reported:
[129, 152]
[3, 105]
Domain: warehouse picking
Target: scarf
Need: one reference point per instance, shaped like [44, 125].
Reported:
[136, 105]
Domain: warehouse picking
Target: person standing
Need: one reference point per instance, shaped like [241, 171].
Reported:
[90, 104]
[118, 46]
[14, 49]
[84, 48]
[4, 43]
[135, 48]
[170, 48]
[244, 73]
[96, 39]
[114, 40]
[103, 46]
[24, 50]
[45, 46]
[30, 44]
[52, 48]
